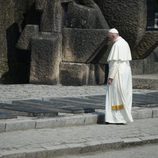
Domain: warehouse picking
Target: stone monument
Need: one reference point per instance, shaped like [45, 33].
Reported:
[64, 41]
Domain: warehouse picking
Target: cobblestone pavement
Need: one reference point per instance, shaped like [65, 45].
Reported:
[49, 139]
[32, 91]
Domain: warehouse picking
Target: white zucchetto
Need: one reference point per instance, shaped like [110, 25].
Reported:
[113, 30]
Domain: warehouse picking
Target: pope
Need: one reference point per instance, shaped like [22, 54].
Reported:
[118, 102]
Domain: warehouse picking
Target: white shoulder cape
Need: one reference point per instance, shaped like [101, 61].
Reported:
[120, 51]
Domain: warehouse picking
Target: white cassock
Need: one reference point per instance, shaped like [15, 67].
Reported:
[119, 94]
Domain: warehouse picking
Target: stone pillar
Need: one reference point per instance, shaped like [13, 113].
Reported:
[45, 58]
[46, 48]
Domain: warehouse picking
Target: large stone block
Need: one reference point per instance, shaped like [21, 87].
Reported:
[81, 74]
[29, 32]
[51, 20]
[137, 67]
[74, 74]
[131, 23]
[80, 16]
[148, 65]
[6, 20]
[85, 15]
[146, 45]
[45, 58]
[131, 27]
[81, 45]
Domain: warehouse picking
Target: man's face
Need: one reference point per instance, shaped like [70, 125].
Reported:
[112, 37]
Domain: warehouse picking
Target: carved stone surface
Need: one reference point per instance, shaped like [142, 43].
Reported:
[68, 33]
[146, 45]
[74, 74]
[85, 14]
[11, 19]
[29, 32]
[131, 24]
[79, 45]
[137, 67]
[51, 20]
[45, 58]
[82, 74]
[128, 17]
[6, 20]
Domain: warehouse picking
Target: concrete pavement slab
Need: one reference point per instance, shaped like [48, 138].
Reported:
[40, 143]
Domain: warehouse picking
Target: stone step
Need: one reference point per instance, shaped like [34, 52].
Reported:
[145, 81]
[25, 123]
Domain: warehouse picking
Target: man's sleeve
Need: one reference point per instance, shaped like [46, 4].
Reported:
[113, 69]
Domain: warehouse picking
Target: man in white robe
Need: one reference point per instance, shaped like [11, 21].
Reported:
[119, 85]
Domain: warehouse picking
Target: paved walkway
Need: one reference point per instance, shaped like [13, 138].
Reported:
[49, 143]
[9, 93]
[31, 91]
[41, 138]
